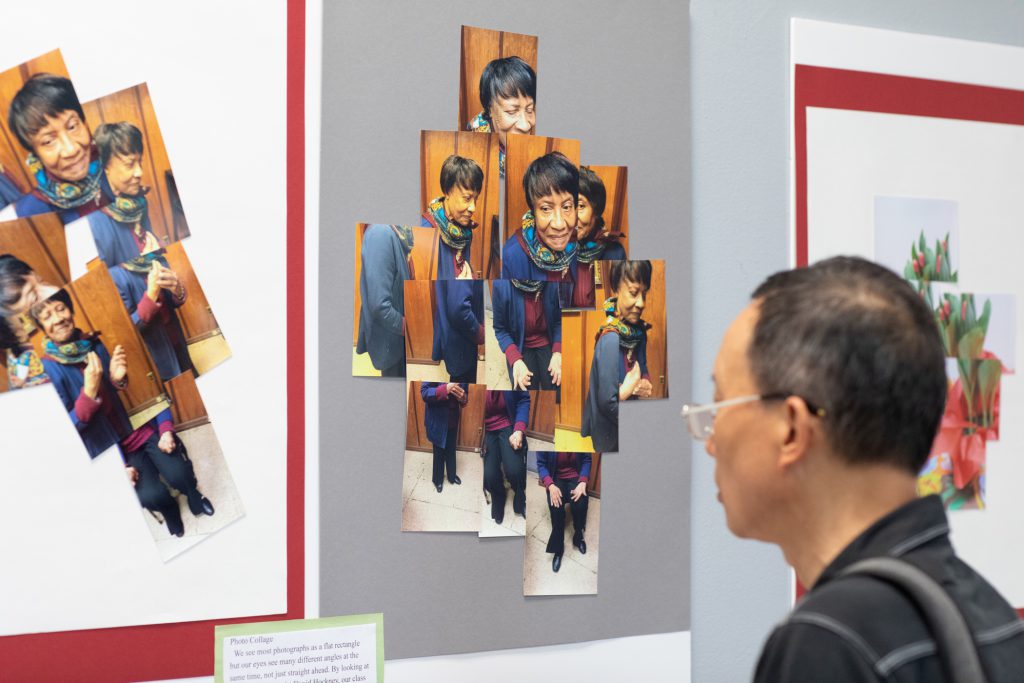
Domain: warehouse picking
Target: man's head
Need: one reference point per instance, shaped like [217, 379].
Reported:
[120, 146]
[56, 317]
[461, 182]
[629, 282]
[48, 121]
[590, 207]
[856, 358]
[508, 90]
[551, 185]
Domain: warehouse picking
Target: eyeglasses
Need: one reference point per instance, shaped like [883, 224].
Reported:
[700, 419]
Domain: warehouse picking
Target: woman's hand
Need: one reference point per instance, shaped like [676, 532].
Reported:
[644, 389]
[579, 491]
[556, 496]
[555, 368]
[166, 443]
[516, 440]
[521, 375]
[629, 384]
[465, 273]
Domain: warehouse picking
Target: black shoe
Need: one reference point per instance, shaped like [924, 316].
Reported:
[581, 546]
[175, 527]
[439, 486]
[556, 563]
[200, 505]
[500, 518]
[207, 506]
[455, 480]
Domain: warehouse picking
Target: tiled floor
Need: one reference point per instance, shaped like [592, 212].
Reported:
[456, 508]
[215, 483]
[578, 574]
[497, 371]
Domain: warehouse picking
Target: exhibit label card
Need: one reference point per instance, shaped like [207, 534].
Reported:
[330, 650]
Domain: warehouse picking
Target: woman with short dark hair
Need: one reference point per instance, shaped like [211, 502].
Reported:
[508, 93]
[594, 242]
[618, 371]
[451, 215]
[20, 289]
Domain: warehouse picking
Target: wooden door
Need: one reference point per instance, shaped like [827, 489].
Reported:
[435, 147]
[133, 105]
[480, 46]
[39, 242]
[196, 314]
[542, 415]
[187, 405]
[471, 422]
[520, 153]
[594, 482]
[420, 305]
[415, 431]
[12, 154]
[424, 257]
[616, 208]
[98, 308]
[577, 357]
[654, 313]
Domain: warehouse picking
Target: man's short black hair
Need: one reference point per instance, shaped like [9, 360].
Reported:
[60, 295]
[459, 171]
[638, 272]
[117, 138]
[592, 187]
[854, 339]
[42, 96]
[549, 174]
[506, 77]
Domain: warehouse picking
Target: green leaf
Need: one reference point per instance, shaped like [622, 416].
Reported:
[971, 344]
[985, 314]
[921, 241]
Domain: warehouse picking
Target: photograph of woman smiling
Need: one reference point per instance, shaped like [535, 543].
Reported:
[544, 248]
[619, 369]
[508, 93]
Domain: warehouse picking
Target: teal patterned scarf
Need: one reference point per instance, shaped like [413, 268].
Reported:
[480, 124]
[629, 334]
[72, 352]
[544, 258]
[67, 194]
[454, 235]
[142, 263]
[126, 209]
[528, 286]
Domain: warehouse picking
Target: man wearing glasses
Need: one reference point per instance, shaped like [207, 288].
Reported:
[829, 389]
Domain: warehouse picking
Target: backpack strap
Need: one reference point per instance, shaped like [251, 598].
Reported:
[955, 645]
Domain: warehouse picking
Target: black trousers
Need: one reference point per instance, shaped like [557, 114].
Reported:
[500, 456]
[537, 361]
[556, 543]
[173, 468]
[444, 458]
[469, 377]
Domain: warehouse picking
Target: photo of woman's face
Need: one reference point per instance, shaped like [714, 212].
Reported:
[33, 290]
[584, 217]
[510, 114]
[460, 205]
[631, 299]
[63, 146]
[555, 217]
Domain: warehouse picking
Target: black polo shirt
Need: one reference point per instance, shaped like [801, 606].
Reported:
[859, 628]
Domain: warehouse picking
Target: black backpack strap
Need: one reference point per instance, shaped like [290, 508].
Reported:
[954, 644]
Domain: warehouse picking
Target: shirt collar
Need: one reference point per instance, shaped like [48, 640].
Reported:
[910, 526]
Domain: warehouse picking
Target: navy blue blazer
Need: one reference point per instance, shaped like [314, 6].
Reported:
[438, 410]
[99, 433]
[9, 191]
[445, 254]
[458, 321]
[516, 263]
[381, 287]
[510, 314]
[164, 341]
[546, 465]
[517, 405]
[114, 240]
[601, 407]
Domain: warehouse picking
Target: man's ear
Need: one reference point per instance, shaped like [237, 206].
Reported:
[801, 427]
